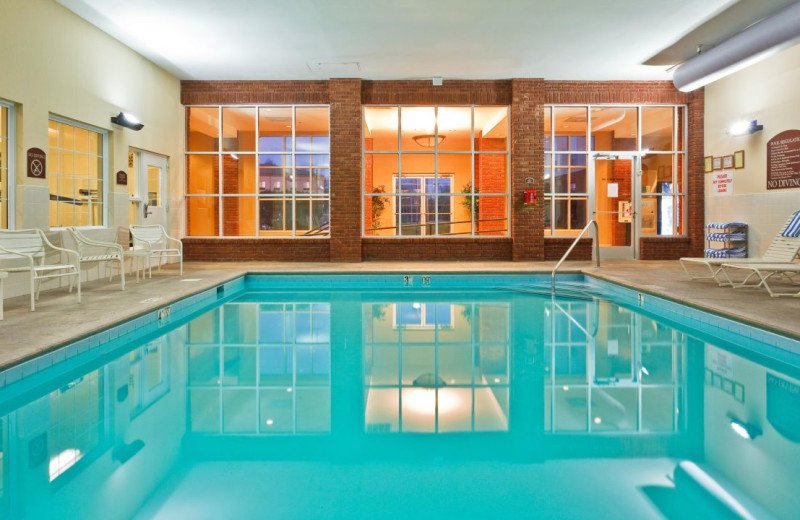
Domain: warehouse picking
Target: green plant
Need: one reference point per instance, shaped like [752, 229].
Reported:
[378, 204]
[470, 203]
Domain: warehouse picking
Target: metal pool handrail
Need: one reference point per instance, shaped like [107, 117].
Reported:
[574, 243]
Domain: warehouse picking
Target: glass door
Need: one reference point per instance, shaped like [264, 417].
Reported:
[147, 180]
[615, 206]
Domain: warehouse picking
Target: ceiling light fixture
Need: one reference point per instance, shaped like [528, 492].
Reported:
[127, 120]
[745, 128]
[428, 140]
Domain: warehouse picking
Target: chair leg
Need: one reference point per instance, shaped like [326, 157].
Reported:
[122, 273]
[33, 294]
[78, 278]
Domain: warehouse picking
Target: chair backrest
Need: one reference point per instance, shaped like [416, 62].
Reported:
[783, 249]
[78, 239]
[27, 241]
[147, 234]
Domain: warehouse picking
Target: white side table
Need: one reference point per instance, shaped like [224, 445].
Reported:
[3, 276]
[136, 256]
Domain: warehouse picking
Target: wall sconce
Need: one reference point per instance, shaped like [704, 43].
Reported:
[124, 452]
[745, 128]
[743, 429]
[127, 120]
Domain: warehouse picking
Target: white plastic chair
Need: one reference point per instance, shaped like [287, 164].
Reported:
[28, 250]
[90, 251]
[154, 241]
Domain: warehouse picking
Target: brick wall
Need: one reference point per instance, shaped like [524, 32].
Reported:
[554, 249]
[527, 161]
[526, 98]
[413, 249]
[345, 98]
[253, 249]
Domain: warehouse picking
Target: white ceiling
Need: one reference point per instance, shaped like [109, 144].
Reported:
[401, 39]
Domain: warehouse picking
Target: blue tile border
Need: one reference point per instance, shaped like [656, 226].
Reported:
[104, 341]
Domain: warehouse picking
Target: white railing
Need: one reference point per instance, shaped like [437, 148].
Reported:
[574, 243]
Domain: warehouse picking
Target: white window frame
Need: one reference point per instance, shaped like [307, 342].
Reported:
[679, 149]
[286, 197]
[11, 163]
[104, 175]
[436, 153]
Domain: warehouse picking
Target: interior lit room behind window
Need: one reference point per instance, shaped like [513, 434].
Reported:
[435, 171]
[75, 172]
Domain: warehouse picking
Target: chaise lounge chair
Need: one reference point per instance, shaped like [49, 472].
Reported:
[783, 250]
[764, 273]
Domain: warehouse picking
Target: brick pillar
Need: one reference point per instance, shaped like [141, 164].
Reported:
[345, 99]
[527, 160]
[695, 172]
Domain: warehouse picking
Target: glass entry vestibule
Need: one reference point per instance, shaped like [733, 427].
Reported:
[623, 166]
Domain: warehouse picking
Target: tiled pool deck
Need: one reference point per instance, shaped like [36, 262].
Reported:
[59, 319]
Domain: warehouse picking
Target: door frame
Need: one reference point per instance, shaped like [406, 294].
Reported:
[619, 252]
[146, 158]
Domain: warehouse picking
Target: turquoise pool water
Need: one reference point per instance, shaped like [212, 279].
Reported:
[440, 396]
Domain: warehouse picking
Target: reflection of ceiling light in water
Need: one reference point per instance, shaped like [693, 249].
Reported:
[496, 379]
[416, 305]
[645, 372]
[744, 430]
[424, 401]
[565, 388]
[288, 389]
[270, 422]
[597, 420]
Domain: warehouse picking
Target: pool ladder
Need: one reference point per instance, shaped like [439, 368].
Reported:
[571, 247]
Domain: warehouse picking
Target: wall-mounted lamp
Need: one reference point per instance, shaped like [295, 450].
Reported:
[743, 429]
[127, 120]
[124, 452]
[745, 128]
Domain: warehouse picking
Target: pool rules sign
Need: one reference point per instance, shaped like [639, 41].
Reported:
[783, 161]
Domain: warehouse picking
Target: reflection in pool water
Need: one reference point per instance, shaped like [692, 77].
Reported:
[310, 404]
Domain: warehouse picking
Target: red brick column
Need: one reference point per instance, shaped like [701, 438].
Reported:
[527, 152]
[696, 176]
[345, 99]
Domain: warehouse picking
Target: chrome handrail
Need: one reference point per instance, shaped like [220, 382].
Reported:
[574, 243]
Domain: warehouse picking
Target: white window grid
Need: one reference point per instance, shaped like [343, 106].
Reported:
[436, 153]
[290, 198]
[678, 153]
[102, 175]
[8, 166]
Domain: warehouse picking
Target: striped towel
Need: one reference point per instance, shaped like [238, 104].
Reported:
[793, 229]
[723, 225]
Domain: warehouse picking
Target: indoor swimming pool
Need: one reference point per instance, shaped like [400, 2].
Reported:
[407, 396]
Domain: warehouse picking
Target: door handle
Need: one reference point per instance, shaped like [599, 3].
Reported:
[147, 211]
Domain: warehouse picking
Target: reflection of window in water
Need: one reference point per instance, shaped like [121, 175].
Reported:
[610, 369]
[422, 315]
[436, 367]
[149, 379]
[260, 368]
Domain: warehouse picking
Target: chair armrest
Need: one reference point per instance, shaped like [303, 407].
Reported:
[18, 253]
[173, 239]
[69, 252]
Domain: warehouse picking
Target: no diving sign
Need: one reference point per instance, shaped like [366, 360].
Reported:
[37, 163]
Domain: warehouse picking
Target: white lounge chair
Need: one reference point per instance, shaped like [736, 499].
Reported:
[29, 250]
[90, 251]
[782, 250]
[154, 241]
[764, 273]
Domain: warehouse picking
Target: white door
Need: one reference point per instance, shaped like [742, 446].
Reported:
[147, 186]
[615, 204]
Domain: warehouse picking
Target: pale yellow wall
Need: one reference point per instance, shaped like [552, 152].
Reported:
[54, 62]
[768, 92]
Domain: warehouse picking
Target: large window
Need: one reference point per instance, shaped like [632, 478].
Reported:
[577, 136]
[6, 168]
[258, 171]
[436, 171]
[76, 172]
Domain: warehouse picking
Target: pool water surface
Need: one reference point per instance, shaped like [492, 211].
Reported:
[399, 396]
